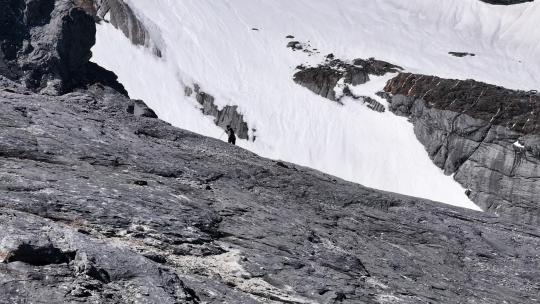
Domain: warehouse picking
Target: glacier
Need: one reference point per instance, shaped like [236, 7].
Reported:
[236, 51]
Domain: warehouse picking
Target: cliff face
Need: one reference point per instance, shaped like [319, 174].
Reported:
[334, 78]
[226, 116]
[101, 205]
[46, 46]
[486, 135]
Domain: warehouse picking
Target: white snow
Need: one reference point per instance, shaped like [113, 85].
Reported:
[211, 42]
[519, 145]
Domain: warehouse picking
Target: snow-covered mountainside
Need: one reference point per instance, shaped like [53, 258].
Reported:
[235, 51]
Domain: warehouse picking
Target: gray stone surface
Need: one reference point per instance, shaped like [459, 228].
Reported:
[226, 116]
[485, 135]
[101, 206]
[121, 16]
[45, 44]
[324, 79]
[321, 80]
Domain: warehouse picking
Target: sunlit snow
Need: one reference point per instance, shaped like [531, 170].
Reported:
[211, 42]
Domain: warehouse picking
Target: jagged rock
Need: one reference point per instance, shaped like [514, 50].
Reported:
[373, 104]
[228, 115]
[45, 45]
[370, 102]
[376, 67]
[295, 45]
[89, 6]
[473, 130]
[321, 80]
[305, 47]
[49, 261]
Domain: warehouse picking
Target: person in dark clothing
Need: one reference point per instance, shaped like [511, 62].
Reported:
[232, 137]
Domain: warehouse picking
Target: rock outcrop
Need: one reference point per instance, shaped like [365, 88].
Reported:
[121, 16]
[227, 116]
[462, 54]
[487, 136]
[46, 45]
[334, 78]
[305, 47]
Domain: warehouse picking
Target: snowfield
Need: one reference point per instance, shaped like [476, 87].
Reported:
[214, 43]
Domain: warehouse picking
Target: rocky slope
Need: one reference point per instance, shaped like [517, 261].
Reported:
[101, 202]
[99, 205]
[46, 46]
[333, 78]
[485, 135]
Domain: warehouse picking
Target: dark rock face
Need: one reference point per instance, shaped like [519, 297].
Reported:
[376, 67]
[228, 115]
[324, 79]
[45, 45]
[304, 47]
[101, 206]
[46, 260]
[320, 80]
[295, 45]
[486, 135]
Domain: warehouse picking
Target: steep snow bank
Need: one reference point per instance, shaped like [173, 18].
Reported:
[213, 43]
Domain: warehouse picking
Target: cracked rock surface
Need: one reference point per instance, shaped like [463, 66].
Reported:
[101, 202]
[99, 205]
[486, 135]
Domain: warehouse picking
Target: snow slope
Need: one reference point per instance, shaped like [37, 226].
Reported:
[212, 43]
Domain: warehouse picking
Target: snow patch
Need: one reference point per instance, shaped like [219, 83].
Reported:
[519, 145]
[212, 43]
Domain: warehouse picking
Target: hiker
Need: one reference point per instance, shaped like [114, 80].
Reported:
[232, 137]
